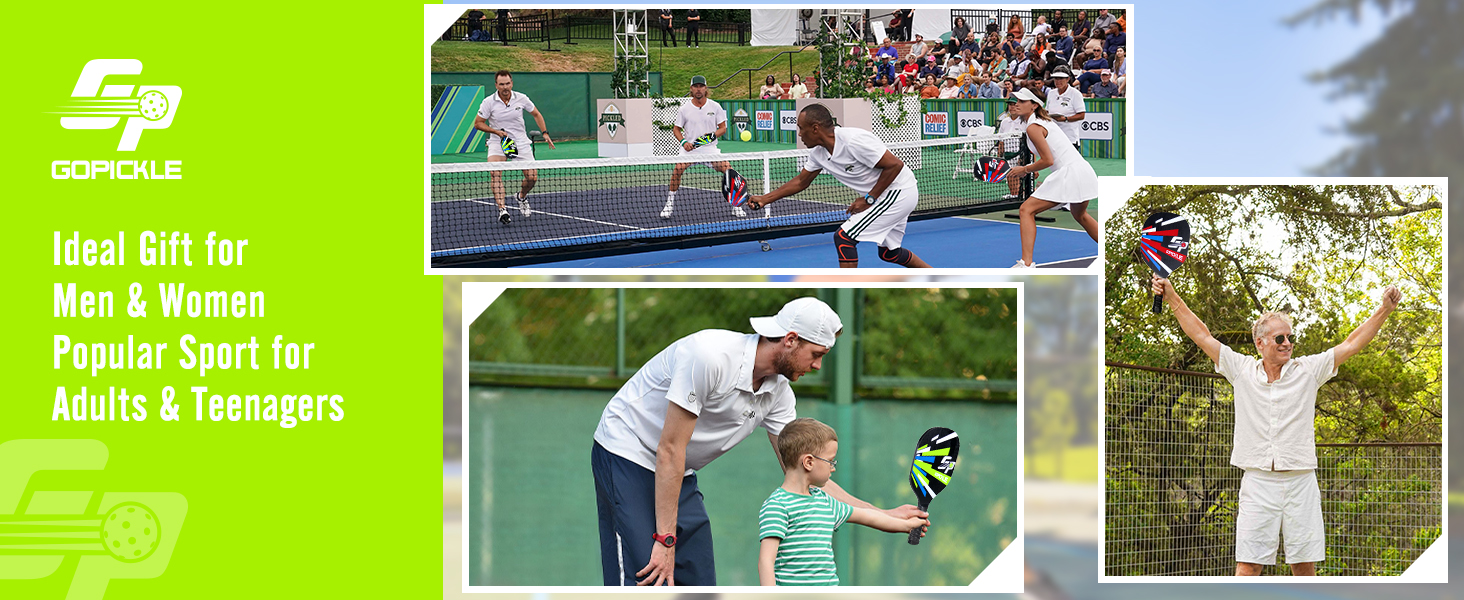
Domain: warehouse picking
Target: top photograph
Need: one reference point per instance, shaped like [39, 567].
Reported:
[708, 139]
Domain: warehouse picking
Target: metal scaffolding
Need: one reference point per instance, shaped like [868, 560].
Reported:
[632, 59]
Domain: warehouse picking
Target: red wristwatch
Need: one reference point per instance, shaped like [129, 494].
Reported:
[668, 540]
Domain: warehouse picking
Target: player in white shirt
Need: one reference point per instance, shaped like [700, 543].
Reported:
[1065, 104]
[861, 161]
[696, 119]
[1275, 430]
[501, 116]
[690, 404]
[1072, 180]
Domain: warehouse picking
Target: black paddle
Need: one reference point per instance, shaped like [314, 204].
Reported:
[935, 460]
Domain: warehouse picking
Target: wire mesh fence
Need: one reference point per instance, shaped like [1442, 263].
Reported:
[1170, 493]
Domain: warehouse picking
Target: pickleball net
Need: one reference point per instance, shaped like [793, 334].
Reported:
[601, 206]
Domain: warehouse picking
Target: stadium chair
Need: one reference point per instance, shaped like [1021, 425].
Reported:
[974, 153]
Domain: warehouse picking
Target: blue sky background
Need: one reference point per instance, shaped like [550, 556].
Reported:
[1222, 89]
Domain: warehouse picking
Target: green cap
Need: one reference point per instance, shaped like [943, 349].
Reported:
[698, 80]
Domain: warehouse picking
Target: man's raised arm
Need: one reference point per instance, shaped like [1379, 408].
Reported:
[1191, 324]
[1364, 333]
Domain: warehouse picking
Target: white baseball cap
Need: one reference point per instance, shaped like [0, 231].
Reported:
[810, 318]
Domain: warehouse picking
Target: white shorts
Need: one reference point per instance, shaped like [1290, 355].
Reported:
[884, 222]
[525, 151]
[1287, 503]
[709, 149]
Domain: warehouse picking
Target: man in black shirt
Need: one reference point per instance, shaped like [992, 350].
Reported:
[503, 26]
[475, 26]
[666, 30]
[693, 22]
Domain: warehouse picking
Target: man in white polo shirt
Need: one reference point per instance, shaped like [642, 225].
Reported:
[1275, 438]
[698, 125]
[693, 402]
[501, 116]
[858, 159]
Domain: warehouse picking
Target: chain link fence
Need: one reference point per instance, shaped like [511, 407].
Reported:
[1170, 493]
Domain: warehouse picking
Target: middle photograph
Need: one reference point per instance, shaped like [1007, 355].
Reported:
[780, 139]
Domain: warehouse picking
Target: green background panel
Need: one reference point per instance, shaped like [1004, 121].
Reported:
[972, 520]
[567, 100]
[325, 508]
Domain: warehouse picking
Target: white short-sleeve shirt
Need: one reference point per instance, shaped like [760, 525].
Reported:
[508, 116]
[856, 151]
[708, 373]
[1274, 421]
[1067, 104]
[696, 121]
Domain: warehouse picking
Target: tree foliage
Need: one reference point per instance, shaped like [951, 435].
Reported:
[1322, 253]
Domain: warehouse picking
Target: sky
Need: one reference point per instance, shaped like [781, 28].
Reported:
[1222, 89]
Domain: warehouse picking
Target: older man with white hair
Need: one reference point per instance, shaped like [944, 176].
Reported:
[1275, 435]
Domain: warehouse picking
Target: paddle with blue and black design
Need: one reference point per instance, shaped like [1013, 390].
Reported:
[1164, 243]
[935, 460]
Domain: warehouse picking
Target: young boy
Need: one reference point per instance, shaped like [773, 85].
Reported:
[797, 522]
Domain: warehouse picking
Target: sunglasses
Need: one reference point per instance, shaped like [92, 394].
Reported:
[1282, 338]
[832, 463]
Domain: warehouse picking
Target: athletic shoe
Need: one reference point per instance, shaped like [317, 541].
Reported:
[666, 212]
[737, 210]
[524, 207]
[1023, 265]
[503, 216]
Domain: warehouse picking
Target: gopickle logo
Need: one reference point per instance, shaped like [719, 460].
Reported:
[113, 535]
[104, 106]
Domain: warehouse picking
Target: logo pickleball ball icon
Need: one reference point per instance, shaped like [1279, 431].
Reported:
[130, 531]
[153, 105]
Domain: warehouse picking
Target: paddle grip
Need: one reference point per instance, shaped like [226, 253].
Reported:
[915, 533]
[1158, 304]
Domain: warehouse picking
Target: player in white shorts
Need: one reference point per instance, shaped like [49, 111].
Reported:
[505, 111]
[861, 161]
[1071, 182]
[696, 119]
[1275, 430]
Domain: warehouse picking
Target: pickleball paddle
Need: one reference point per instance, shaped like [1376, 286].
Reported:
[734, 187]
[1164, 243]
[992, 169]
[930, 471]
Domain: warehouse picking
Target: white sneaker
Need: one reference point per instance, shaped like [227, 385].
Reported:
[524, 207]
[1023, 265]
[503, 216]
[666, 212]
[737, 210]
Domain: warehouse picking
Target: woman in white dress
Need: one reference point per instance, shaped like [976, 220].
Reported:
[1071, 182]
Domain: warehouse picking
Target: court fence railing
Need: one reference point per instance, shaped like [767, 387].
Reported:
[1170, 491]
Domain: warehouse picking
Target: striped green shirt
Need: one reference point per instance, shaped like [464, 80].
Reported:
[806, 525]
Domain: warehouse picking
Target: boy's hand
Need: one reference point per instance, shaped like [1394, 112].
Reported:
[912, 523]
[907, 511]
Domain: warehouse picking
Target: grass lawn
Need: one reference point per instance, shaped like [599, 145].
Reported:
[676, 65]
[1079, 465]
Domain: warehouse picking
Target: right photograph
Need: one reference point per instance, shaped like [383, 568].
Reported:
[1273, 398]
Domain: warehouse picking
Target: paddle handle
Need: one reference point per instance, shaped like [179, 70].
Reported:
[915, 533]
[1158, 304]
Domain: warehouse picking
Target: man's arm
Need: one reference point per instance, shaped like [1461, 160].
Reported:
[670, 468]
[765, 555]
[1191, 324]
[1364, 333]
[721, 129]
[793, 186]
[543, 129]
[481, 124]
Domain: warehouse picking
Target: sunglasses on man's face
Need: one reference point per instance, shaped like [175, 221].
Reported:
[1282, 338]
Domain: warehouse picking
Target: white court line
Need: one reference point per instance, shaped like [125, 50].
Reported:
[545, 212]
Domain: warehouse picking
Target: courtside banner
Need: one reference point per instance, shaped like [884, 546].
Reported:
[222, 360]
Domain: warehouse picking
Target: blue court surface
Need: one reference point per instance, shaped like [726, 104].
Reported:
[960, 242]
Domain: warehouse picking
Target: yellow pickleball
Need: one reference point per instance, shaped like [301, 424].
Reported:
[747, 136]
